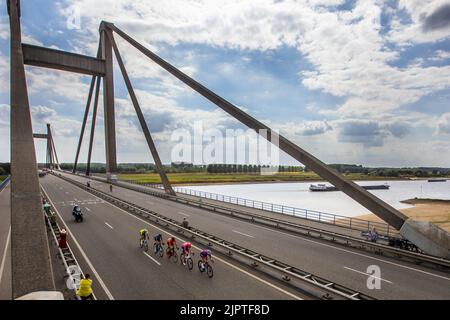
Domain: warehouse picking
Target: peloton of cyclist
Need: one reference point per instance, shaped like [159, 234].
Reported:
[144, 235]
[204, 254]
[171, 243]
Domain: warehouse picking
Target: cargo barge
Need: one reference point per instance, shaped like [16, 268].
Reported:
[323, 187]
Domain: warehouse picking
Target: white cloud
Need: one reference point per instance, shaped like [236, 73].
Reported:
[443, 125]
[440, 55]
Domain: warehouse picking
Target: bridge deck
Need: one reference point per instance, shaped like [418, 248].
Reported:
[342, 265]
[109, 238]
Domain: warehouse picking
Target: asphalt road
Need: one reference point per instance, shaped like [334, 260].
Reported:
[108, 238]
[345, 266]
[5, 244]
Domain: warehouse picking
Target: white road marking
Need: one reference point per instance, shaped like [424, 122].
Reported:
[356, 253]
[87, 209]
[216, 258]
[66, 192]
[100, 280]
[109, 225]
[184, 214]
[367, 274]
[2, 266]
[244, 234]
[152, 259]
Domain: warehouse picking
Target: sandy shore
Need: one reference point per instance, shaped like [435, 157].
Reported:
[436, 211]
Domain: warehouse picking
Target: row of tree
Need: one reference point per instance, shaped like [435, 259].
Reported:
[249, 168]
[391, 172]
[5, 168]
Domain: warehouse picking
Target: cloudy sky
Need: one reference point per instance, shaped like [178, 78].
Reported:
[364, 82]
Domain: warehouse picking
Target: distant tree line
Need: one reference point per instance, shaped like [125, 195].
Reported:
[182, 167]
[391, 172]
[5, 168]
[248, 168]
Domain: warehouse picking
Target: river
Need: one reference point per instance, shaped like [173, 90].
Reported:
[336, 202]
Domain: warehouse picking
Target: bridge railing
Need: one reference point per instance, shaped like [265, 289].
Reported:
[68, 259]
[313, 215]
[4, 183]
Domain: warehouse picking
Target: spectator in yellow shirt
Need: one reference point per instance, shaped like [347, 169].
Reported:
[85, 290]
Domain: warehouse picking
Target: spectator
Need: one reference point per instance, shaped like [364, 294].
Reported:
[85, 290]
[185, 223]
[373, 235]
[47, 208]
[63, 239]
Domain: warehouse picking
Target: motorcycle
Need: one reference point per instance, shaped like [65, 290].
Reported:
[77, 214]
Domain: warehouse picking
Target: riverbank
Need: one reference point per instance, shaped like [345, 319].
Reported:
[433, 210]
[202, 178]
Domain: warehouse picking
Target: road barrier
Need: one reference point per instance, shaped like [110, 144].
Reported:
[5, 183]
[303, 280]
[71, 265]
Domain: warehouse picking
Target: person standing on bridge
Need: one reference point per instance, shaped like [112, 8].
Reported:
[85, 290]
[185, 223]
[63, 239]
[110, 188]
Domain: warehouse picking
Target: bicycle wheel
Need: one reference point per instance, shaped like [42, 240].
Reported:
[146, 246]
[155, 248]
[209, 271]
[183, 259]
[161, 251]
[200, 266]
[174, 257]
[190, 263]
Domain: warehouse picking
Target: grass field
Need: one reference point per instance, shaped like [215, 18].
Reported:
[203, 177]
[3, 178]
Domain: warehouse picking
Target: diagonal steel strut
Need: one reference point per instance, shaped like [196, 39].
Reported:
[167, 187]
[94, 118]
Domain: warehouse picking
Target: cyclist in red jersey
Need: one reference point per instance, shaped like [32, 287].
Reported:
[171, 243]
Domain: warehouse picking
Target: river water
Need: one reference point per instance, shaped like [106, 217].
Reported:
[336, 202]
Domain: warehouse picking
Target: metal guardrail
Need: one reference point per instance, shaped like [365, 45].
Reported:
[323, 217]
[290, 274]
[5, 183]
[321, 234]
[67, 257]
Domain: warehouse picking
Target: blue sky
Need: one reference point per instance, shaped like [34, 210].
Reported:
[364, 82]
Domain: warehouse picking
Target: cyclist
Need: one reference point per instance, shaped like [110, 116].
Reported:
[158, 240]
[186, 248]
[204, 254]
[171, 243]
[144, 235]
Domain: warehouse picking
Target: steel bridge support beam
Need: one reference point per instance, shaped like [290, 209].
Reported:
[108, 99]
[49, 148]
[83, 125]
[429, 237]
[30, 257]
[94, 119]
[151, 145]
[54, 152]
